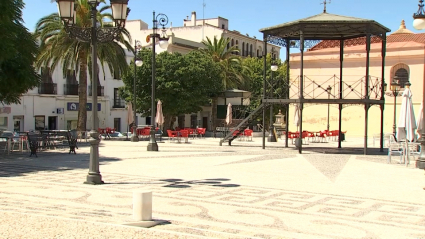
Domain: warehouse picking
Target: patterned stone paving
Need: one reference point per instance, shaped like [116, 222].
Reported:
[212, 207]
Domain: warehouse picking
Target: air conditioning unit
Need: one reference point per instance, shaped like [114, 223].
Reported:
[59, 111]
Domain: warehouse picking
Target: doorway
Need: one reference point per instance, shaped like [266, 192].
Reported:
[52, 122]
[205, 122]
[18, 123]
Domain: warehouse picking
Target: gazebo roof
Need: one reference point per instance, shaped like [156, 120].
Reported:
[326, 26]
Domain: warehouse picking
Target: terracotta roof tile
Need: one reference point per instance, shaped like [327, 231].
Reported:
[419, 37]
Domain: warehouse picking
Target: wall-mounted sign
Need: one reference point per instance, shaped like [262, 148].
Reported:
[74, 106]
[5, 110]
[59, 111]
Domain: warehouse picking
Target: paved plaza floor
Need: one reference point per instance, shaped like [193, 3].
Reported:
[202, 190]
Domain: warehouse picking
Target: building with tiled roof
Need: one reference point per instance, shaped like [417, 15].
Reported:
[405, 58]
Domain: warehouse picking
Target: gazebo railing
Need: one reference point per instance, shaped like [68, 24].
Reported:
[353, 87]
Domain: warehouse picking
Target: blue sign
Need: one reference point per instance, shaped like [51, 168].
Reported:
[74, 106]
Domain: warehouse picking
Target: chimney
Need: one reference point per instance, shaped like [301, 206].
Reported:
[193, 19]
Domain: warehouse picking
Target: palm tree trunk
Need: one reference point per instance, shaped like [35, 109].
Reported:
[82, 95]
[214, 114]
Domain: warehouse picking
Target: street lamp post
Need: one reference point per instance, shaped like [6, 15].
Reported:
[419, 23]
[162, 20]
[329, 89]
[94, 34]
[272, 137]
[137, 62]
[395, 89]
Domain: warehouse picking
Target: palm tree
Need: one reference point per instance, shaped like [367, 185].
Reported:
[57, 47]
[231, 64]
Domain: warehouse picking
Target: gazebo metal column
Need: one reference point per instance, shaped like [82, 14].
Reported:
[341, 64]
[383, 51]
[288, 47]
[301, 96]
[367, 105]
[264, 89]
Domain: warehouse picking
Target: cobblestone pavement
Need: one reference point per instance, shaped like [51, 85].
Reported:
[201, 190]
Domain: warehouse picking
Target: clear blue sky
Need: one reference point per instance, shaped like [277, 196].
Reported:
[248, 16]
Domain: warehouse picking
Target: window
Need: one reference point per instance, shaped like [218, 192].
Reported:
[3, 122]
[400, 70]
[40, 123]
[71, 78]
[181, 120]
[71, 124]
[117, 124]
[118, 101]
[250, 50]
[243, 48]
[117, 75]
[46, 76]
[258, 53]
[193, 121]
[222, 26]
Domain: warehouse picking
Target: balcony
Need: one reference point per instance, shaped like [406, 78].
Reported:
[47, 88]
[119, 103]
[70, 89]
[99, 91]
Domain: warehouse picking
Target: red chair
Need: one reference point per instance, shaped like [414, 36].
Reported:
[184, 134]
[145, 132]
[201, 132]
[248, 134]
[322, 136]
[171, 135]
[293, 136]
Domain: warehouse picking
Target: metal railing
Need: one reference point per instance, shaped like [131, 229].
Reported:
[100, 90]
[70, 89]
[47, 88]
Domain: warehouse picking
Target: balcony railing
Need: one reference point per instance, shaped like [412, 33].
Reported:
[47, 88]
[99, 91]
[119, 103]
[70, 89]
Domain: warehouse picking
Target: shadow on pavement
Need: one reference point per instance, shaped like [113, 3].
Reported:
[20, 163]
[180, 183]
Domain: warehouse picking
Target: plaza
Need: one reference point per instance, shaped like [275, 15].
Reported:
[202, 190]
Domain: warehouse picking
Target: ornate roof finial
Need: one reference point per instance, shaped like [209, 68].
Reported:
[324, 4]
[402, 25]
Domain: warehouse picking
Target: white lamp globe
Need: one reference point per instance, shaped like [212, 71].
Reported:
[273, 67]
[419, 23]
[163, 43]
[139, 62]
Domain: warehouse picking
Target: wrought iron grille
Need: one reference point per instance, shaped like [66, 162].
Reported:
[70, 89]
[353, 87]
[47, 88]
[100, 90]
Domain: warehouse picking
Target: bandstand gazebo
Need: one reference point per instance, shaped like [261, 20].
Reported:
[324, 28]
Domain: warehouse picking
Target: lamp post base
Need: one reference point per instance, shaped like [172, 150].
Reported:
[94, 176]
[420, 163]
[152, 146]
[134, 138]
[271, 137]
[94, 179]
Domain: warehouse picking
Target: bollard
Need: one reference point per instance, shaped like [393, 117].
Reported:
[142, 205]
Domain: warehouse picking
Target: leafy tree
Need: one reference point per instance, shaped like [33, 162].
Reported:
[18, 49]
[57, 47]
[232, 72]
[256, 73]
[184, 83]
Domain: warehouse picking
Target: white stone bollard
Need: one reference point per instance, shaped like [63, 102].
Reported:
[142, 206]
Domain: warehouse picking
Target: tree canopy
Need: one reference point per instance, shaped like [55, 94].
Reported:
[18, 50]
[184, 83]
[57, 47]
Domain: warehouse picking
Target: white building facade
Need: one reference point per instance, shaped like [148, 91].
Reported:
[54, 104]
